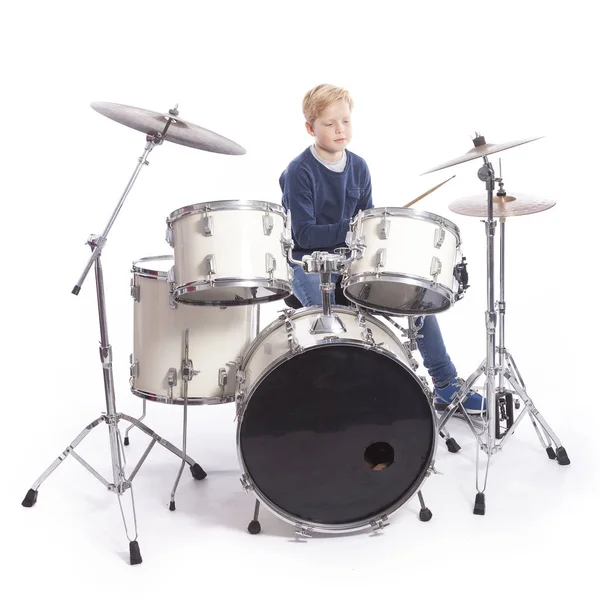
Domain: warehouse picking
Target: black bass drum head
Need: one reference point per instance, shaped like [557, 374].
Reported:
[337, 436]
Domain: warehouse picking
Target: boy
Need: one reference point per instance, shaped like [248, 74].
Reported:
[323, 189]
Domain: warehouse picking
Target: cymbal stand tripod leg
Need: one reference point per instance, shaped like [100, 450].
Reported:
[120, 483]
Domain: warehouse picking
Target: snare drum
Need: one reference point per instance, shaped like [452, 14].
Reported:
[406, 262]
[217, 339]
[335, 432]
[230, 252]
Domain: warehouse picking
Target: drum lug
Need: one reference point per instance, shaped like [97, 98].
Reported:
[135, 291]
[172, 377]
[436, 267]
[270, 264]
[439, 237]
[223, 378]
[267, 224]
[286, 244]
[303, 530]
[295, 347]
[211, 266]
[169, 236]
[134, 367]
[366, 334]
[414, 364]
[380, 258]
[379, 524]
[384, 229]
[240, 393]
[247, 485]
[207, 225]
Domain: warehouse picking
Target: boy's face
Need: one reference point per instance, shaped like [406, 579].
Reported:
[332, 130]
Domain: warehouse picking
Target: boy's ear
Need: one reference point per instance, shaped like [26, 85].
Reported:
[309, 128]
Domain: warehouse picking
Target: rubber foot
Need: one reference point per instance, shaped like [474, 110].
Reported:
[425, 514]
[562, 457]
[172, 505]
[135, 558]
[254, 527]
[197, 472]
[479, 508]
[452, 445]
[30, 498]
[126, 441]
[550, 452]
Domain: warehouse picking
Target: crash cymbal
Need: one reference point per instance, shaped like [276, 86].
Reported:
[480, 150]
[179, 131]
[504, 206]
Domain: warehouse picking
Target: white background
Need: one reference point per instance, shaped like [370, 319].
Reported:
[424, 77]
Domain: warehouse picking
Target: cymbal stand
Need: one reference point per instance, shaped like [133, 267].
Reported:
[120, 483]
[499, 400]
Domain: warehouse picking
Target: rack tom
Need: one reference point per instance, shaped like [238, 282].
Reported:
[405, 262]
[229, 252]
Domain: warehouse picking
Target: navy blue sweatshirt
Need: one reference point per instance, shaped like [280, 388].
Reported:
[321, 202]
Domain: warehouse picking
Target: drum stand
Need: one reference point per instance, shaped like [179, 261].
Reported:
[500, 401]
[120, 483]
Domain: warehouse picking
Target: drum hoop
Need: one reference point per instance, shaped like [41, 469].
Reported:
[284, 286]
[392, 277]
[151, 273]
[179, 401]
[217, 205]
[278, 511]
[411, 213]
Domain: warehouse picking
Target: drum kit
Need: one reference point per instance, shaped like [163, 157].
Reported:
[335, 429]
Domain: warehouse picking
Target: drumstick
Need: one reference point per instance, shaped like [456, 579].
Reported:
[428, 192]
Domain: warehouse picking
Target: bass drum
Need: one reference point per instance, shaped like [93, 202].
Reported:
[335, 432]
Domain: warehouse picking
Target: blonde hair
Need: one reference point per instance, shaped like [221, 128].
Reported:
[320, 97]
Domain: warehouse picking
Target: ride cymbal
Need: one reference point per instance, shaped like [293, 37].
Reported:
[179, 131]
[503, 206]
[480, 150]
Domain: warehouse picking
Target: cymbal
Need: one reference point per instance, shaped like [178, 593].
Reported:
[179, 131]
[480, 150]
[503, 206]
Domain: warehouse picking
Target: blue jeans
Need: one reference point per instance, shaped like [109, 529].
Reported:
[431, 346]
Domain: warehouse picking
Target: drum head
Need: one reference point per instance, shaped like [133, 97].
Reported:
[337, 436]
[397, 295]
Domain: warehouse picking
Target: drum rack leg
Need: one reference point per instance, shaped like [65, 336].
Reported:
[254, 525]
[126, 439]
[187, 373]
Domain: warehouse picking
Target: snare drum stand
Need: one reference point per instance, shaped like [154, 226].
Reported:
[499, 399]
[121, 483]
